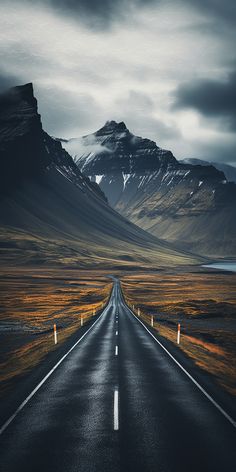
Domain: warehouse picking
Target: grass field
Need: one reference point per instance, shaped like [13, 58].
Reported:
[31, 302]
[204, 303]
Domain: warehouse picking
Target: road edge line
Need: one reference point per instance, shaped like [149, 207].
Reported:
[28, 398]
[208, 396]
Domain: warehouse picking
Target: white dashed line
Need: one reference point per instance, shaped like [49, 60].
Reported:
[116, 410]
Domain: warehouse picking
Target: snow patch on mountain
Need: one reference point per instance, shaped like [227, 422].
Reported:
[126, 178]
[98, 178]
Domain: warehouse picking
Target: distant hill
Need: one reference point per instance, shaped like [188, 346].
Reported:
[229, 171]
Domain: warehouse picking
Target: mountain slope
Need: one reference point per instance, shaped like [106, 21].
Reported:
[49, 212]
[192, 206]
[229, 171]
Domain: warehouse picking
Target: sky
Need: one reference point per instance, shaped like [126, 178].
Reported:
[167, 68]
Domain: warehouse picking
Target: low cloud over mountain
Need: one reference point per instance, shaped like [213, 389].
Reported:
[192, 206]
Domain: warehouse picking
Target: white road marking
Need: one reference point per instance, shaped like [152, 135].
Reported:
[116, 410]
[219, 408]
[116, 333]
[22, 405]
[116, 351]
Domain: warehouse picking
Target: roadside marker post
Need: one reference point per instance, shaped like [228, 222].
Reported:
[152, 322]
[55, 333]
[81, 320]
[138, 312]
[94, 313]
[178, 334]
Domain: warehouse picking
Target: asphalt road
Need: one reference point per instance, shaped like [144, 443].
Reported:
[118, 402]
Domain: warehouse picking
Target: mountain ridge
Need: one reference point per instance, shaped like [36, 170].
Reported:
[192, 206]
[229, 170]
[50, 213]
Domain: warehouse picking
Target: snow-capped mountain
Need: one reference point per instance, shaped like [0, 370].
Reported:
[191, 205]
[50, 213]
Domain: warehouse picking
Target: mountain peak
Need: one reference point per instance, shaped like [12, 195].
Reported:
[26, 91]
[22, 146]
[19, 93]
[18, 104]
[112, 127]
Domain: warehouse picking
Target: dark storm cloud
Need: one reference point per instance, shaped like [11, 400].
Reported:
[103, 12]
[224, 10]
[85, 56]
[212, 98]
[97, 13]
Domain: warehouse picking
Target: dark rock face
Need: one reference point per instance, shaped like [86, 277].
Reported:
[26, 150]
[50, 213]
[22, 149]
[123, 152]
[179, 202]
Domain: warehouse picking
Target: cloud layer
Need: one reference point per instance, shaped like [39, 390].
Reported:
[165, 67]
[213, 98]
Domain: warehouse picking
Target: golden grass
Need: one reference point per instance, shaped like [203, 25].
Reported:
[20, 247]
[204, 304]
[30, 305]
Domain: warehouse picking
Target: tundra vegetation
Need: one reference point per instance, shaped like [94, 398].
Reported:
[204, 303]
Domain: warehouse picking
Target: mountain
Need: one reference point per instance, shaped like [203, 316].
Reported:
[192, 206]
[50, 213]
[229, 171]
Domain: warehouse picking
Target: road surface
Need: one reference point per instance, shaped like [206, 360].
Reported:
[118, 403]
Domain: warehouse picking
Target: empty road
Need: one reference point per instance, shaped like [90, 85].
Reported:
[118, 402]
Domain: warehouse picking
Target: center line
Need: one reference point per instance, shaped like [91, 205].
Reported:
[116, 351]
[116, 410]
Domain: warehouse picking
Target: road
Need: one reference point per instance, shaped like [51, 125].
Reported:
[119, 403]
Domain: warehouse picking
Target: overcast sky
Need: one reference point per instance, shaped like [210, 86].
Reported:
[165, 67]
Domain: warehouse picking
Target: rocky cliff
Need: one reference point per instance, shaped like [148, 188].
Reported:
[52, 214]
